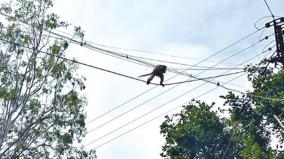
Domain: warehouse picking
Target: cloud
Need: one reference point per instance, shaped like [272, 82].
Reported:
[182, 28]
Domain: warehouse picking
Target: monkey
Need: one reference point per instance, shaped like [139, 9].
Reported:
[159, 71]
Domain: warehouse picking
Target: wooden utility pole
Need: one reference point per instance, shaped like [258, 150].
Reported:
[279, 32]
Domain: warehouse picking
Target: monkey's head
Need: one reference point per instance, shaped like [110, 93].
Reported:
[163, 68]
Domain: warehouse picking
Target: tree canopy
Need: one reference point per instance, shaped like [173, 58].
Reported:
[199, 132]
[42, 104]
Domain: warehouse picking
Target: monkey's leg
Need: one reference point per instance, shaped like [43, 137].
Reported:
[150, 78]
[162, 79]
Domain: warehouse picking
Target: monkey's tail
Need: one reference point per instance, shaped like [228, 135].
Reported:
[145, 75]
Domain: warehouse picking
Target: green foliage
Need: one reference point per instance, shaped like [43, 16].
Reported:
[266, 83]
[196, 132]
[251, 149]
[199, 132]
[42, 107]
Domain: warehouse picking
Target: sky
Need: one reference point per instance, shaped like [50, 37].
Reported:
[189, 29]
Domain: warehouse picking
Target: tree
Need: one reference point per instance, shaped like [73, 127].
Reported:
[195, 132]
[42, 105]
[199, 132]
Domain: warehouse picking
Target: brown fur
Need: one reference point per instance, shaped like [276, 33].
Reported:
[159, 71]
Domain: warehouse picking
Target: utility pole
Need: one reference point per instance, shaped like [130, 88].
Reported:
[279, 32]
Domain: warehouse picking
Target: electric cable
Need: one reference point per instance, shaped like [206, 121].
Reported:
[196, 79]
[177, 84]
[145, 113]
[122, 74]
[175, 76]
[184, 64]
[119, 74]
[154, 53]
[112, 71]
[269, 9]
[127, 49]
[255, 24]
[157, 117]
[144, 123]
[167, 112]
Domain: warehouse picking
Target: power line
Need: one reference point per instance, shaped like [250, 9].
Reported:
[119, 106]
[85, 43]
[172, 110]
[138, 60]
[122, 56]
[144, 51]
[130, 110]
[89, 46]
[115, 53]
[134, 58]
[76, 42]
[88, 64]
[102, 69]
[184, 64]
[205, 78]
[128, 56]
[241, 92]
[255, 23]
[145, 63]
[148, 121]
[119, 74]
[157, 108]
[269, 9]
[145, 113]
[196, 79]
[105, 69]
[173, 77]
[82, 63]
[112, 52]
[242, 114]
[152, 52]
[216, 83]
[116, 72]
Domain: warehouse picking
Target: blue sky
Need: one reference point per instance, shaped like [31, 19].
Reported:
[191, 28]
